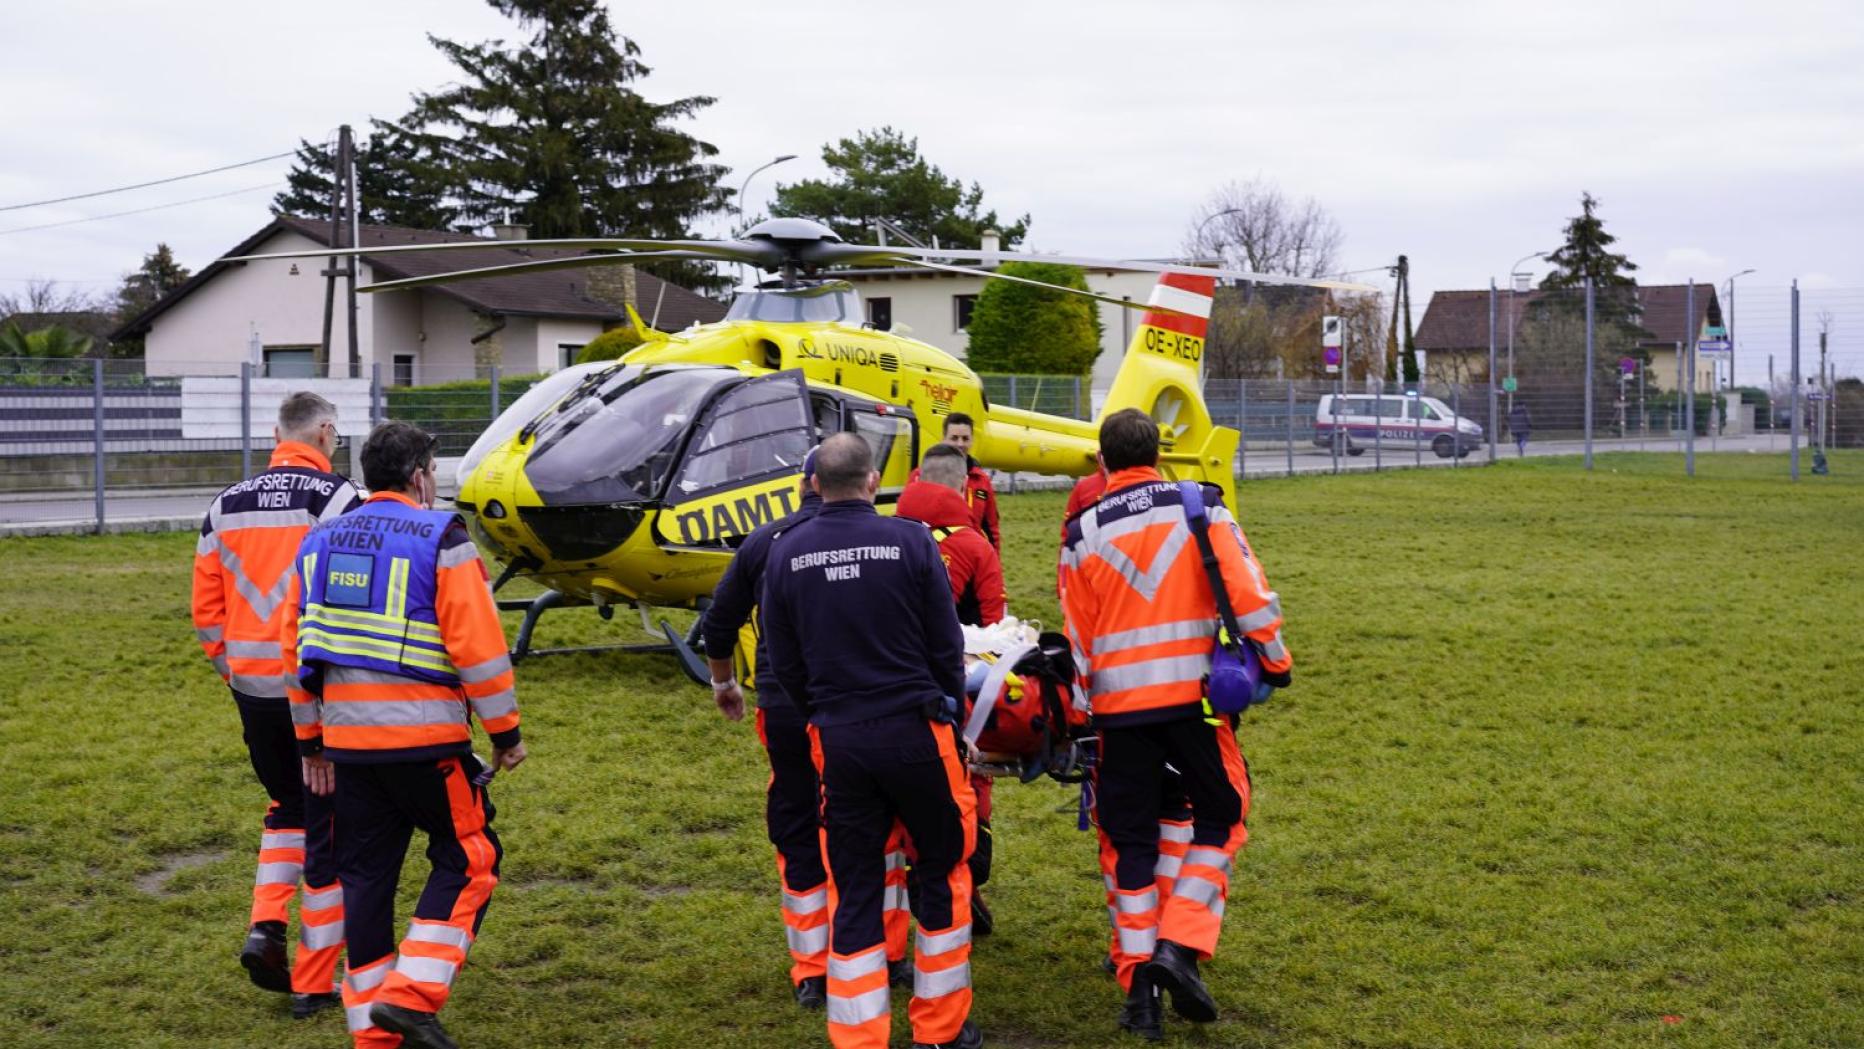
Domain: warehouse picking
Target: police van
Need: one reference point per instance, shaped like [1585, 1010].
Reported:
[1396, 419]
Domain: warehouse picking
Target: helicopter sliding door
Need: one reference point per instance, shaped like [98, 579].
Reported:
[740, 464]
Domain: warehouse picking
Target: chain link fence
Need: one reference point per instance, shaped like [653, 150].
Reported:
[1567, 372]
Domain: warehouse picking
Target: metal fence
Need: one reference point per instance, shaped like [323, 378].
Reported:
[1543, 373]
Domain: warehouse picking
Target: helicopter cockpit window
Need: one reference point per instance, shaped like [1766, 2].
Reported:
[808, 304]
[887, 435]
[758, 430]
[617, 443]
[526, 408]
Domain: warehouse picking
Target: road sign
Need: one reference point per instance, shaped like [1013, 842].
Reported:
[1508, 385]
[1330, 335]
[1714, 347]
[1716, 331]
[1627, 365]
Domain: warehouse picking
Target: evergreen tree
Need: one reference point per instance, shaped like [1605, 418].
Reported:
[158, 275]
[551, 133]
[1023, 329]
[398, 183]
[1585, 254]
[880, 174]
[1550, 345]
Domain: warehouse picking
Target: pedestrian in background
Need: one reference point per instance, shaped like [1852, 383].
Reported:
[1519, 425]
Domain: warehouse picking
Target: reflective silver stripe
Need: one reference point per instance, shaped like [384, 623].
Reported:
[345, 495]
[454, 556]
[394, 712]
[318, 937]
[896, 860]
[209, 633]
[1200, 890]
[279, 873]
[485, 671]
[281, 518]
[370, 978]
[807, 941]
[938, 983]
[808, 903]
[340, 675]
[358, 1017]
[263, 604]
[895, 898]
[255, 650]
[206, 544]
[422, 969]
[266, 685]
[1274, 651]
[321, 899]
[1181, 630]
[306, 713]
[1138, 902]
[1209, 857]
[1107, 879]
[1167, 866]
[859, 1009]
[435, 932]
[1265, 616]
[1146, 582]
[496, 705]
[1178, 832]
[220, 665]
[858, 966]
[1165, 670]
[1137, 941]
[940, 942]
[282, 839]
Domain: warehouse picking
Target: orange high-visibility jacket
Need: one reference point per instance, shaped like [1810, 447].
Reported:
[1140, 615]
[352, 708]
[248, 541]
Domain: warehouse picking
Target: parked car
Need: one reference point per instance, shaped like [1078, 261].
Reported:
[1397, 419]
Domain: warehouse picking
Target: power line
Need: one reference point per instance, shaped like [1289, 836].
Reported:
[145, 185]
[139, 211]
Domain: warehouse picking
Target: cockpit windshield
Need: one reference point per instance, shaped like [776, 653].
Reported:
[788, 305]
[617, 443]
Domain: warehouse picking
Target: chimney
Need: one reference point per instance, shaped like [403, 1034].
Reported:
[992, 240]
[509, 230]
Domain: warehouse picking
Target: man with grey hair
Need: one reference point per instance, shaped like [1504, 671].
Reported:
[242, 565]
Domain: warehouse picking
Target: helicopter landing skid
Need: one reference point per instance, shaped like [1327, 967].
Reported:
[534, 608]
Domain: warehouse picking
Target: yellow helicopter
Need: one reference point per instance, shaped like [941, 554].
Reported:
[630, 482]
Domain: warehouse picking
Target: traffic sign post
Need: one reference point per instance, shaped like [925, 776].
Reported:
[1330, 343]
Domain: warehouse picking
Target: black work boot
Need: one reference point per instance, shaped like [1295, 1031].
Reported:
[305, 1006]
[983, 923]
[812, 992]
[1141, 1014]
[264, 957]
[900, 972]
[418, 1030]
[969, 1037]
[1173, 969]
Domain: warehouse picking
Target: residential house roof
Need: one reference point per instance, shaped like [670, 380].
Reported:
[558, 293]
[1458, 321]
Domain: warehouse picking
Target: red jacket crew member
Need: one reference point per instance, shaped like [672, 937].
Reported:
[863, 637]
[397, 647]
[241, 569]
[936, 501]
[1142, 623]
[979, 496]
[792, 801]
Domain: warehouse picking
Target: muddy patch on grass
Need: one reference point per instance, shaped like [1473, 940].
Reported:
[155, 883]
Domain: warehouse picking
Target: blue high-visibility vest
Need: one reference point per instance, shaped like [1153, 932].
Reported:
[368, 584]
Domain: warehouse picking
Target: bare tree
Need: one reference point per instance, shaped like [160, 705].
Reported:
[47, 296]
[1252, 225]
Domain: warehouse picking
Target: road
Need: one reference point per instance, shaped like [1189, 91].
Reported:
[177, 509]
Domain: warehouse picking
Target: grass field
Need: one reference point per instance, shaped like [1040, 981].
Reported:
[1571, 760]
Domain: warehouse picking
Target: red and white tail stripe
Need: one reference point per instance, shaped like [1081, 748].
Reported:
[1190, 295]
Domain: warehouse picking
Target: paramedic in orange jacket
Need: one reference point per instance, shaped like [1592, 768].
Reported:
[1142, 623]
[241, 564]
[395, 647]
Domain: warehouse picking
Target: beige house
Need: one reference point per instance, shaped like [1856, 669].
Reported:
[270, 313]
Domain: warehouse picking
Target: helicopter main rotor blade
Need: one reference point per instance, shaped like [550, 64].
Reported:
[1096, 296]
[1123, 264]
[763, 255]
[540, 266]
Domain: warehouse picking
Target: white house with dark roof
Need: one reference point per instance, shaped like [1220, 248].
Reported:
[271, 313]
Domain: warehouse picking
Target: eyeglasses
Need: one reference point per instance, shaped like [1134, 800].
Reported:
[336, 439]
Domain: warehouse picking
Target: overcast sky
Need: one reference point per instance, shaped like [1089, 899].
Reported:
[1719, 136]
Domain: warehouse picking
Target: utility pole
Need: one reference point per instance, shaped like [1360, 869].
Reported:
[1795, 373]
[342, 218]
[1692, 332]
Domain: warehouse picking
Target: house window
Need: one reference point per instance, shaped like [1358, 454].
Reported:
[291, 362]
[567, 351]
[961, 307]
[880, 314]
[404, 369]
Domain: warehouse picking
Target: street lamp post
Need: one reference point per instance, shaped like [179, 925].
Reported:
[1512, 285]
[1731, 331]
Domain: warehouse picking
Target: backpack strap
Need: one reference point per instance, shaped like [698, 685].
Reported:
[942, 533]
[1192, 496]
